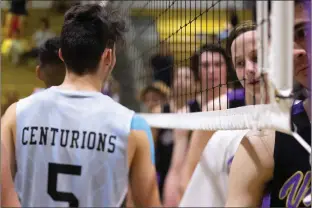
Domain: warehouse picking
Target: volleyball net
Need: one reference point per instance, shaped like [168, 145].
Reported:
[186, 51]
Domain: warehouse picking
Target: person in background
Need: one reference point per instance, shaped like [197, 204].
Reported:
[154, 95]
[186, 83]
[15, 19]
[162, 64]
[208, 184]
[216, 71]
[14, 47]
[51, 69]
[42, 34]
[182, 99]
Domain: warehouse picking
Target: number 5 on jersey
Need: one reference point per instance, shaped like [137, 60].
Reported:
[53, 170]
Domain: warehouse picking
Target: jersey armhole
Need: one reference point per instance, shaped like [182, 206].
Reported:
[139, 123]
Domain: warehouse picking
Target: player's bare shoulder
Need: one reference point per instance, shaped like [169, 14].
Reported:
[8, 120]
[262, 144]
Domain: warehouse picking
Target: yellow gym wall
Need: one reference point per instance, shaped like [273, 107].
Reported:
[184, 33]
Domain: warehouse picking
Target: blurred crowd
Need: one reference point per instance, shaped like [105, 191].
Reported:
[20, 50]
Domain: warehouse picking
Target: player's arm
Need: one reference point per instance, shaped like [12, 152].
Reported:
[143, 179]
[180, 139]
[138, 123]
[251, 170]
[8, 195]
[172, 183]
[155, 131]
[8, 126]
[199, 140]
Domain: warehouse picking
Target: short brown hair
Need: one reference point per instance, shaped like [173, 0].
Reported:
[157, 86]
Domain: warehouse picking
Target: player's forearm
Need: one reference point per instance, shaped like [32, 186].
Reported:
[179, 152]
[9, 198]
[154, 199]
[149, 198]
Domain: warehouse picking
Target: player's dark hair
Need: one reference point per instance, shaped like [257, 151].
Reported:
[48, 52]
[87, 31]
[50, 63]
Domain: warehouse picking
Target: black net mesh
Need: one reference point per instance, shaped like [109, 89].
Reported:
[168, 45]
[177, 54]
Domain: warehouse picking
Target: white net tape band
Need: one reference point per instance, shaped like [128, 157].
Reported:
[266, 116]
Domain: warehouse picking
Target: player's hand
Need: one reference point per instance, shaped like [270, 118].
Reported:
[171, 197]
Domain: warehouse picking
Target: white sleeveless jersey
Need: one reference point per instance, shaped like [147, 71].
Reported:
[71, 149]
[209, 182]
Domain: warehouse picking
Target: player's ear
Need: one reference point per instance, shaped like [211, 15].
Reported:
[60, 54]
[38, 72]
[107, 56]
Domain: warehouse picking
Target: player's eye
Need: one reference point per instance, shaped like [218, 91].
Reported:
[301, 33]
[254, 58]
[240, 63]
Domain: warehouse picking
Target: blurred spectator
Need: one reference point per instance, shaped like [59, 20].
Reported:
[14, 47]
[184, 85]
[162, 65]
[42, 34]
[51, 69]
[15, 19]
[154, 95]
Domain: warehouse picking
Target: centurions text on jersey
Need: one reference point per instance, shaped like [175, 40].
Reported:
[35, 135]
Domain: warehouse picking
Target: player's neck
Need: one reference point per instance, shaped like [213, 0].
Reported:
[89, 82]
